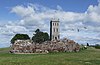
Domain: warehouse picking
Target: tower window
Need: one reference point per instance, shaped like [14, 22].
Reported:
[54, 29]
[55, 38]
[57, 29]
[55, 24]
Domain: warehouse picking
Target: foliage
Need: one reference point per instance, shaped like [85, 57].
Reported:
[40, 36]
[19, 37]
[97, 46]
[87, 44]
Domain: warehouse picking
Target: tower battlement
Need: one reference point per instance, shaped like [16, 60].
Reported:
[54, 19]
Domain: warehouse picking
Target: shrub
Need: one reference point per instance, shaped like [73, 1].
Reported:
[19, 37]
[97, 46]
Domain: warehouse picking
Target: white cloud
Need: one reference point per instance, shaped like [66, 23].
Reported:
[23, 11]
[20, 29]
[93, 13]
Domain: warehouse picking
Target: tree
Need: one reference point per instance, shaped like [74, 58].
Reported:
[19, 37]
[40, 36]
[46, 36]
[38, 30]
[87, 44]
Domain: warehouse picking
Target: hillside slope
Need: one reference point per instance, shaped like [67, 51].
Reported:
[90, 56]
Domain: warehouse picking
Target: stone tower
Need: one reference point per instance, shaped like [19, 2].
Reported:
[54, 29]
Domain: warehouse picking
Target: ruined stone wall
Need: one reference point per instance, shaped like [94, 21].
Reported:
[28, 46]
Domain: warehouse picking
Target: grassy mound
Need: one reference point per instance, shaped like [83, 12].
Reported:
[90, 56]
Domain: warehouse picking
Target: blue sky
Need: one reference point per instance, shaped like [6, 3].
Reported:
[67, 5]
[24, 16]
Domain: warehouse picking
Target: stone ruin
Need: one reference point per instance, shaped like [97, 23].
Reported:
[28, 46]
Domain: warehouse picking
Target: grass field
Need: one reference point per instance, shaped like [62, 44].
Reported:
[89, 56]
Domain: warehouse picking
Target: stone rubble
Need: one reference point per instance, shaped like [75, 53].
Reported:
[28, 46]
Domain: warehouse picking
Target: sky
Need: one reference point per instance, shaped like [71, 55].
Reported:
[25, 16]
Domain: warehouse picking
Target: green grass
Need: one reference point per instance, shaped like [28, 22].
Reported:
[90, 56]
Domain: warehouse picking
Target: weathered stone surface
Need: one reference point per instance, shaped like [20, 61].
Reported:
[28, 46]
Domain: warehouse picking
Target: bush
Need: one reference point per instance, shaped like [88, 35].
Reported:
[19, 37]
[97, 46]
